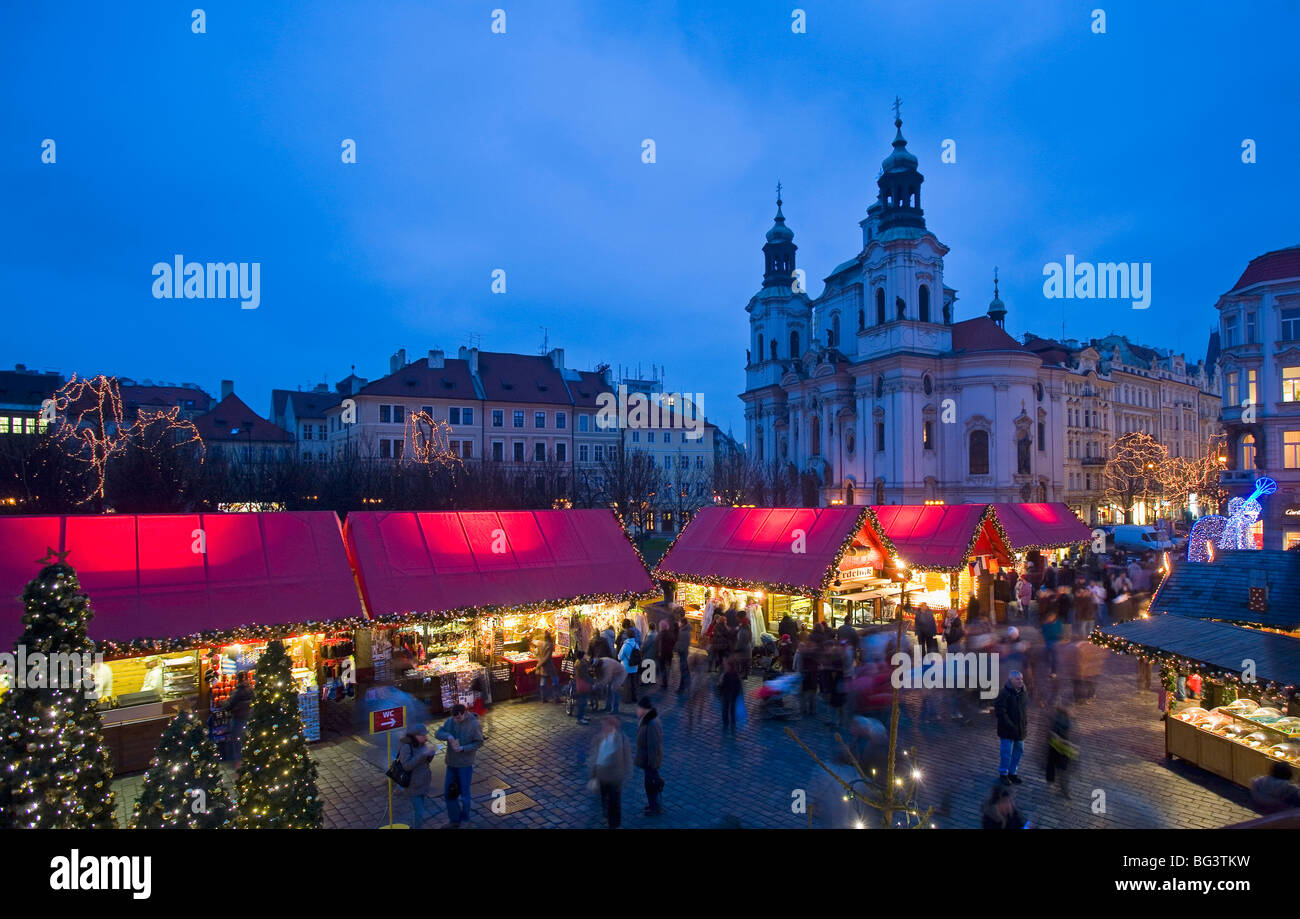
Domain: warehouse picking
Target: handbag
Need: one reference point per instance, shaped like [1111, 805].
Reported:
[399, 773]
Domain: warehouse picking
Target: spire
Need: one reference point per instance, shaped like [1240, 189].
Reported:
[997, 309]
[899, 182]
[779, 251]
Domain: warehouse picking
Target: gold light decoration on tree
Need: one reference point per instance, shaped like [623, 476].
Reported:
[428, 440]
[94, 427]
[1133, 469]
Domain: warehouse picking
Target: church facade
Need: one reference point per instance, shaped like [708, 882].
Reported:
[877, 391]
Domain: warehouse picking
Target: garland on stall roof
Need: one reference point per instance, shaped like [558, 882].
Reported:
[258, 633]
[1154, 655]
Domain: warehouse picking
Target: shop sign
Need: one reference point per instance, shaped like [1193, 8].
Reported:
[1292, 511]
[387, 719]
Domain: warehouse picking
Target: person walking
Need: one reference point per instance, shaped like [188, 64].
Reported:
[729, 689]
[924, 627]
[665, 649]
[630, 657]
[650, 753]
[650, 648]
[808, 665]
[1012, 712]
[744, 646]
[464, 737]
[1024, 597]
[683, 648]
[240, 706]
[610, 676]
[583, 682]
[415, 754]
[699, 690]
[1059, 749]
[609, 762]
[545, 668]
[719, 642]
[953, 631]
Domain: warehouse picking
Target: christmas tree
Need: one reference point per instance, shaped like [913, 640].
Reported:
[183, 788]
[54, 767]
[277, 779]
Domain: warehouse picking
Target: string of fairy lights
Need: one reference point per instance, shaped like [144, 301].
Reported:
[1215, 673]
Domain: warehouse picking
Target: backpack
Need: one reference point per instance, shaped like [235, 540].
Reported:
[635, 657]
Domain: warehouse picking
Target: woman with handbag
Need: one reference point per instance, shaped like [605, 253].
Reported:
[413, 756]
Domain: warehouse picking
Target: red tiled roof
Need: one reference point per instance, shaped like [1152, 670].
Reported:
[587, 388]
[754, 547]
[145, 582]
[411, 562]
[1271, 266]
[939, 537]
[154, 398]
[1044, 526]
[232, 413]
[982, 334]
[418, 381]
[520, 378]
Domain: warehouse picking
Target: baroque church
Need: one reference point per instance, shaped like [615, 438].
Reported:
[876, 391]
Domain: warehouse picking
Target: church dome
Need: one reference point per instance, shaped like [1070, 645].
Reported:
[779, 232]
[901, 160]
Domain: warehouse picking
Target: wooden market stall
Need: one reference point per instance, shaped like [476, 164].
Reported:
[464, 594]
[182, 602]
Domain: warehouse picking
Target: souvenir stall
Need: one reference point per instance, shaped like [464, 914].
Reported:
[1224, 720]
[182, 603]
[469, 594]
[941, 555]
[1040, 534]
[772, 562]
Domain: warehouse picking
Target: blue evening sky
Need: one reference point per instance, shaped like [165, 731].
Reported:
[523, 151]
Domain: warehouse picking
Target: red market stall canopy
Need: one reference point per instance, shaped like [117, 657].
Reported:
[169, 578]
[758, 548]
[1041, 526]
[449, 562]
[942, 537]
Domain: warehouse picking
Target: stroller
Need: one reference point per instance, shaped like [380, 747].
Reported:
[778, 698]
[765, 656]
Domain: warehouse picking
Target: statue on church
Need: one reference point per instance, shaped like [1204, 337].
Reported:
[748, 361]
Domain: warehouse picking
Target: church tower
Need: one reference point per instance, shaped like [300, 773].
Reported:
[997, 309]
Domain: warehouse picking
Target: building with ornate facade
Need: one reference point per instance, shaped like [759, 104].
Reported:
[877, 390]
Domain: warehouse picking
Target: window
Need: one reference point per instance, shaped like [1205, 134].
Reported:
[399, 414]
[1230, 331]
[518, 418]
[979, 453]
[320, 432]
[519, 451]
[539, 419]
[1252, 335]
[385, 414]
[1233, 389]
[453, 415]
[862, 319]
[584, 423]
[1291, 384]
[1290, 324]
[794, 345]
[880, 386]
[927, 384]
[924, 298]
[561, 453]
[561, 420]
[498, 450]
[467, 449]
[668, 437]
[699, 461]
[1247, 452]
[1042, 437]
[466, 416]
[760, 346]
[636, 437]
[685, 462]
[880, 306]
[815, 436]
[927, 435]
[1291, 449]
[880, 437]
[498, 418]
[397, 449]
[427, 409]
[649, 437]
[584, 453]
[668, 462]
[600, 452]
[835, 330]
[1250, 388]
[385, 447]
[539, 452]
[306, 432]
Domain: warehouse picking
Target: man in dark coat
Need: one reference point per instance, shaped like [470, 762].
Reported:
[1012, 711]
[650, 753]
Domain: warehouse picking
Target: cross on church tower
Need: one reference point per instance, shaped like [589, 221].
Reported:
[778, 193]
[898, 104]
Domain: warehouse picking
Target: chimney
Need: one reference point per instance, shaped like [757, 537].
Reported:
[227, 388]
[608, 376]
[437, 360]
[397, 361]
[471, 356]
[557, 358]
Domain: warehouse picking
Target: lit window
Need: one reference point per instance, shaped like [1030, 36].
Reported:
[1291, 449]
[1291, 384]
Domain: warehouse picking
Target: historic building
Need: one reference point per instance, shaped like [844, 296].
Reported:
[1112, 387]
[1259, 334]
[876, 390]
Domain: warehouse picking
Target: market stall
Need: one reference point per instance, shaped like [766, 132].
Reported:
[945, 553]
[465, 596]
[1239, 720]
[1040, 534]
[775, 562]
[183, 602]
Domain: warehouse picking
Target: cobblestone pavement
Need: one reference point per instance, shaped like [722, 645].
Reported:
[536, 750]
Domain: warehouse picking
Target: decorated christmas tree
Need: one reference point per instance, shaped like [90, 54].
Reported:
[277, 779]
[183, 788]
[54, 767]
